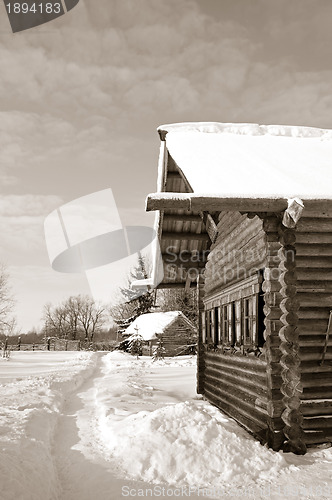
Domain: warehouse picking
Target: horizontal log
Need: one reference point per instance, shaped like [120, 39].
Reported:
[316, 408]
[314, 274]
[181, 218]
[310, 355]
[316, 380]
[318, 423]
[314, 238]
[259, 375]
[319, 341]
[305, 249]
[315, 412]
[171, 235]
[314, 286]
[314, 367]
[313, 313]
[315, 225]
[233, 405]
[315, 438]
[313, 261]
[192, 201]
[253, 387]
[312, 350]
[231, 221]
[316, 393]
[242, 232]
[239, 397]
[312, 326]
[314, 299]
[246, 362]
[312, 214]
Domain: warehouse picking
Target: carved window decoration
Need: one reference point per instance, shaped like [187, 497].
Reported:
[234, 324]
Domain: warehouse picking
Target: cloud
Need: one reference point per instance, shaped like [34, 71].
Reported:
[22, 227]
[83, 95]
[34, 286]
[28, 205]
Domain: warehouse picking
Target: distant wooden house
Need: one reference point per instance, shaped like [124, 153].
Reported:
[245, 214]
[173, 328]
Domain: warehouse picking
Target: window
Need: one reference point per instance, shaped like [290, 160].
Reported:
[215, 337]
[236, 324]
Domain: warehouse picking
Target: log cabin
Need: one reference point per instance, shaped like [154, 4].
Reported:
[244, 213]
[176, 332]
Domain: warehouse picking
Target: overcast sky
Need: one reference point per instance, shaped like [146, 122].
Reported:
[82, 96]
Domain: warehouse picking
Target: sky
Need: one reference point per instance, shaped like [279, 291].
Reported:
[82, 96]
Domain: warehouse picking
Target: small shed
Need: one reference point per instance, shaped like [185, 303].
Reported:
[175, 330]
[244, 213]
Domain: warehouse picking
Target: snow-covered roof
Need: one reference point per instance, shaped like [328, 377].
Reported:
[250, 160]
[149, 325]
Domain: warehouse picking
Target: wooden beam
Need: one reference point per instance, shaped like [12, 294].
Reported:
[205, 217]
[169, 235]
[182, 218]
[210, 225]
[194, 202]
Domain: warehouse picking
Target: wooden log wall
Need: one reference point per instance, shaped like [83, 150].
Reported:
[272, 354]
[200, 377]
[238, 251]
[314, 292]
[286, 394]
[291, 387]
[176, 337]
[236, 384]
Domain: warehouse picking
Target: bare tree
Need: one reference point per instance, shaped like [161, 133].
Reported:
[76, 317]
[91, 317]
[6, 303]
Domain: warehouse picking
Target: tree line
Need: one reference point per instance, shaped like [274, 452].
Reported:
[77, 318]
[81, 318]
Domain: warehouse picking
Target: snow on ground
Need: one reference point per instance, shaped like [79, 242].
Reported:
[32, 390]
[152, 422]
[133, 427]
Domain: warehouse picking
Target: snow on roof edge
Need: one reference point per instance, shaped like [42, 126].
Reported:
[164, 319]
[246, 129]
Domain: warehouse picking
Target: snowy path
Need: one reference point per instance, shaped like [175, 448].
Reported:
[84, 473]
[83, 476]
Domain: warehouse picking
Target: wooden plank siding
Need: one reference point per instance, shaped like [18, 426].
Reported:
[314, 273]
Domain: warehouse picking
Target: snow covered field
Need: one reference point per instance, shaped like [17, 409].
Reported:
[81, 426]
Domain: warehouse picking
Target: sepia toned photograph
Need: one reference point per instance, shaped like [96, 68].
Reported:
[166, 249]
